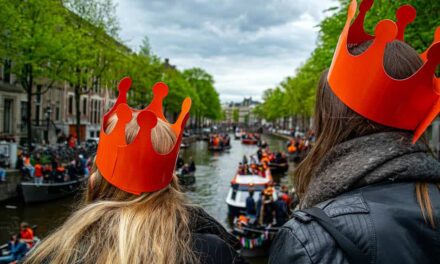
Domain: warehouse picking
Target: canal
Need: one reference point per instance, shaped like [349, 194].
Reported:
[213, 176]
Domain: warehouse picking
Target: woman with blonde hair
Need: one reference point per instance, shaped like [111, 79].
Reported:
[369, 188]
[134, 211]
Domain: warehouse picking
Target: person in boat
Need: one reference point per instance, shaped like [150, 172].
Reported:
[192, 165]
[281, 211]
[250, 205]
[28, 165]
[2, 175]
[17, 250]
[266, 216]
[134, 211]
[370, 186]
[38, 174]
[180, 162]
[185, 170]
[26, 234]
[245, 159]
[259, 153]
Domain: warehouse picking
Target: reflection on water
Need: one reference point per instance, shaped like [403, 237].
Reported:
[213, 176]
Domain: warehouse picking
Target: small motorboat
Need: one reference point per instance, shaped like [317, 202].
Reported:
[184, 145]
[238, 135]
[36, 192]
[187, 178]
[239, 191]
[255, 240]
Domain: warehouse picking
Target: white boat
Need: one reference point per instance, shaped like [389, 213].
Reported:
[239, 191]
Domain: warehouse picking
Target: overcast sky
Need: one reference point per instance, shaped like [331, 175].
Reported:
[247, 45]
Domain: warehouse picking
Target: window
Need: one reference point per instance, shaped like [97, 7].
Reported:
[23, 114]
[92, 134]
[84, 106]
[7, 116]
[70, 105]
[57, 113]
[7, 71]
[39, 93]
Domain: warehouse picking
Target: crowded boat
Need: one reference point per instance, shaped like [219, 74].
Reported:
[219, 142]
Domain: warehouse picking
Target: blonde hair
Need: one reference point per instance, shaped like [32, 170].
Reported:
[118, 227]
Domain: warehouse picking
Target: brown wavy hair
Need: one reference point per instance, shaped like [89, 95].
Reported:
[335, 123]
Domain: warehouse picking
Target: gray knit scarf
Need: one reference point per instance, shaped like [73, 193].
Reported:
[375, 158]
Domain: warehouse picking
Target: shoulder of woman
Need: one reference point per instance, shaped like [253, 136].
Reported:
[203, 223]
[211, 249]
[304, 239]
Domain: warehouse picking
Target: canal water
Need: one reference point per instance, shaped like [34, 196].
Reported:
[213, 176]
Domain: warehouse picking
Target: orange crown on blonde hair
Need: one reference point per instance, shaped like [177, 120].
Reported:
[362, 83]
[136, 167]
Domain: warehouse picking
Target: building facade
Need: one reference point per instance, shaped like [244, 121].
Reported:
[241, 113]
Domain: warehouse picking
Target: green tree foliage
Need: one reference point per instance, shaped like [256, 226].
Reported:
[76, 41]
[32, 39]
[209, 102]
[295, 96]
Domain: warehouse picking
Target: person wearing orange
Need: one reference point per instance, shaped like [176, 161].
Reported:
[38, 174]
[26, 234]
[369, 188]
[134, 211]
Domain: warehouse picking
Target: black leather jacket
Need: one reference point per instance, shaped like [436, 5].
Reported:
[384, 221]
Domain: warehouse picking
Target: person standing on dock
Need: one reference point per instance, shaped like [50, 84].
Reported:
[134, 211]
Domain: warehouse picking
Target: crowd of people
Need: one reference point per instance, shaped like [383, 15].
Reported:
[53, 170]
[222, 140]
[270, 208]
[185, 168]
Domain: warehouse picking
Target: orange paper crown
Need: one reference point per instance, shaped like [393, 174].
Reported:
[136, 167]
[361, 82]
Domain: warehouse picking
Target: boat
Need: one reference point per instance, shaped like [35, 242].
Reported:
[278, 168]
[43, 192]
[249, 141]
[255, 240]
[239, 191]
[186, 179]
[215, 148]
[238, 135]
[184, 145]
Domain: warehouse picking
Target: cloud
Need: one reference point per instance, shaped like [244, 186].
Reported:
[248, 46]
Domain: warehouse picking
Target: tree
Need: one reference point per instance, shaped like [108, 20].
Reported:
[203, 84]
[92, 23]
[35, 44]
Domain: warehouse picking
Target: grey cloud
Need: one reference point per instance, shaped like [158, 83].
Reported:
[247, 44]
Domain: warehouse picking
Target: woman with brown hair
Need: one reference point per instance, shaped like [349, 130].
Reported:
[369, 189]
[134, 211]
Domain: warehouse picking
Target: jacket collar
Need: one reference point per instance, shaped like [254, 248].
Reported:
[367, 160]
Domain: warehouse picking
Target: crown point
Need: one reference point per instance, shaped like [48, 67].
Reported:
[186, 105]
[406, 13]
[437, 35]
[123, 112]
[147, 119]
[352, 10]
[124, 85]
[386, 30]
[366, 5]
[160, 89]
[434, 54]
